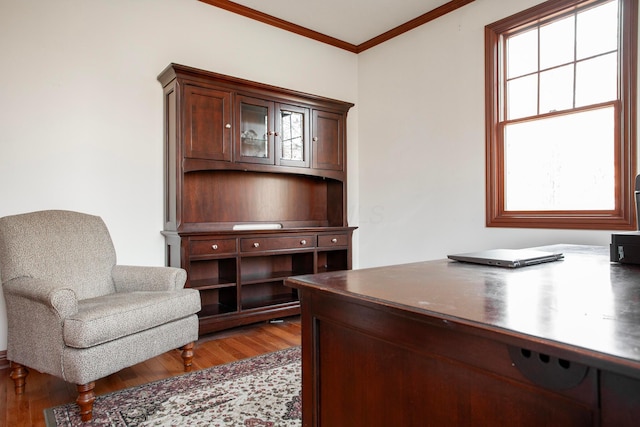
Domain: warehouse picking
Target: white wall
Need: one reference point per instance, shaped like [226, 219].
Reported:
[422, 144]
[81, 109]
[81, 119]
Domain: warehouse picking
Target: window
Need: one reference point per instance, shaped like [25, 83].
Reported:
[561, 113]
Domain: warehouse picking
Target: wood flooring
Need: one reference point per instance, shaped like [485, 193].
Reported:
[44, 391]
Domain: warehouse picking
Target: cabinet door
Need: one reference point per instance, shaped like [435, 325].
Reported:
[255, 130]
[292, 135]
[207, 123]
[328, 140]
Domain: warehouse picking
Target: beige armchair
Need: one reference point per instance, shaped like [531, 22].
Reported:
[73, 313]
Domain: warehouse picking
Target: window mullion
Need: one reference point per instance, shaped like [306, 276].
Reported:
[575, 56]
[538, 73]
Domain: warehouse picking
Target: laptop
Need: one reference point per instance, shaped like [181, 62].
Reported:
[512, 258]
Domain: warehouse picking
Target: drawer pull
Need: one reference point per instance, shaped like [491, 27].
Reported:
[334, 240]
[256, 245]
[214, 247]
[303, 242]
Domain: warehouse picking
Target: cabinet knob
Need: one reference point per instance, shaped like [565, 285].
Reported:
[256, 245]
[315, 139]
[303, 242]
[228, 125]
[334, 240]
[214, 247]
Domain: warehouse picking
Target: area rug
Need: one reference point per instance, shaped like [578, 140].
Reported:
[264, 391]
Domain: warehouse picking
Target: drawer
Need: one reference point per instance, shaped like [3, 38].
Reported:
[260, 244]
[328, 240]
[212, 247]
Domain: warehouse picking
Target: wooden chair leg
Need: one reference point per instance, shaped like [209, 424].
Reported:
[85, 400]
[187, 355]
[19, 376]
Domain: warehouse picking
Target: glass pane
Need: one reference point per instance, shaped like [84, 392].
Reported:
[522, 54]
[557, 43]
[253, 131]
[556, 89]
[597, 80]
[522, 97]
[597, 30]
[561, 163]
[292, 135]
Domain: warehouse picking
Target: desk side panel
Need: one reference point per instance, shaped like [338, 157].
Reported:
[377, 367]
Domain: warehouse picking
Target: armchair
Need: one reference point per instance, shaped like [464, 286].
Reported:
[74, 313]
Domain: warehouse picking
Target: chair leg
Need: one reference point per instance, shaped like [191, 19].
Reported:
[85, 400]
[19, 376]
[187, 355]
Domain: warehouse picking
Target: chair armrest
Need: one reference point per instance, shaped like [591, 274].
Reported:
[129, 278]
[62, 299]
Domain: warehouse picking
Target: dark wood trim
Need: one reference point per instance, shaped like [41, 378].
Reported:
[549, 9]
[4, 363]
[280, 23]
[414, 23]
[306, 32]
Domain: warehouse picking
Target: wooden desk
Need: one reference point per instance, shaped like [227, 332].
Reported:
[443, 343]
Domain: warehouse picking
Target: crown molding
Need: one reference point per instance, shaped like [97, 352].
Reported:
[306, 32]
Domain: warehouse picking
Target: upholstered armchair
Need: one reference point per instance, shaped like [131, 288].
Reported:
[74, 313]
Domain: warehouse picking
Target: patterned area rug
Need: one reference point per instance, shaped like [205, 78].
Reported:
[261, 391]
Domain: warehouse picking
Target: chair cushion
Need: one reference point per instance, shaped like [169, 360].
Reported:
[106, 318]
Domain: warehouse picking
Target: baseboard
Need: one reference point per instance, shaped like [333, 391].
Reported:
[4, 363]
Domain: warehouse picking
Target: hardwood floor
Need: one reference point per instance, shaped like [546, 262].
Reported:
[44, 391]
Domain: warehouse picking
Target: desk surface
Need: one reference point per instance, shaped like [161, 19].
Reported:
[584, 303]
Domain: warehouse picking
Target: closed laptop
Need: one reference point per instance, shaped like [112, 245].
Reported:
[511, 258]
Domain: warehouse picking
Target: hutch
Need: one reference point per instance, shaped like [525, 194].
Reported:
[255, 191]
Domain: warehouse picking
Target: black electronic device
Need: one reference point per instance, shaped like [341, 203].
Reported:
[625, 247]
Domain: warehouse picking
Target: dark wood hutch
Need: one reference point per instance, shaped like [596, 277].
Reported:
[255, 191]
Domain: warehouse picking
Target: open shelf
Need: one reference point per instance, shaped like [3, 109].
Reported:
[335, 260]
[219, 301]
[243, 197]
[216, 310]
[212, 273]
[211, 283]
[267, 294]
[274, 276]
[264, 302]
[268, 268]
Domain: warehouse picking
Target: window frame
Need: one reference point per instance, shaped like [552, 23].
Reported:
[623, 217]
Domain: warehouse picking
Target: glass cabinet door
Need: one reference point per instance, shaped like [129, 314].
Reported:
[292, 135]
[256, 130]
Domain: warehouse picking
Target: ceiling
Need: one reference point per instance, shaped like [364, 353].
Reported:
[350, 24]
